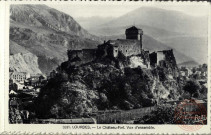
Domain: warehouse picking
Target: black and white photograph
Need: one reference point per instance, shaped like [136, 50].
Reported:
[108, 64]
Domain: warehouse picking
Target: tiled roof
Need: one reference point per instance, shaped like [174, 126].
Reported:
[133, 28]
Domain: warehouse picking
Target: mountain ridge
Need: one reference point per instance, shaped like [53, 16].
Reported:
[48, 45]
[27, 14]
[165, 19]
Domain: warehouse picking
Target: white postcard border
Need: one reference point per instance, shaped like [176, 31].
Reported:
[58, 128]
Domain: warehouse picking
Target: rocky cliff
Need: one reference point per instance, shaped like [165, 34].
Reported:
[136, 61]
[24, 63]
[107, 83]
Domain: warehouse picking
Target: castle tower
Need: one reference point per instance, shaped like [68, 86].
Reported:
[134, 33]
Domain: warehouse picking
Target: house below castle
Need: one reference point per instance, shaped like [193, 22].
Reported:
[129, 47]
[19, 76]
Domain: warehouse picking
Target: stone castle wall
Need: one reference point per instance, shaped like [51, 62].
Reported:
[153, 59]
[78, 57]
[128, 50]
[160, 56]
[127, 46]
[115, 50]
[163, 58]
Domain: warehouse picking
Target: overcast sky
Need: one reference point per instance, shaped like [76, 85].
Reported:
[108, 9]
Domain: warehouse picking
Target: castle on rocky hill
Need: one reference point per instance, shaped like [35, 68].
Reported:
[129, 47]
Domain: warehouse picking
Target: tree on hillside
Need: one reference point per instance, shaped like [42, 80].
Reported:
[192, 87]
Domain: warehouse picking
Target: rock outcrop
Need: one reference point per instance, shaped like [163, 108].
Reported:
[24, 63]
[107, 83]
[137, 61]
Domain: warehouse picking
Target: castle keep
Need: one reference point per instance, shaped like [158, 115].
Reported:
[132, 45]
[134, 33]
[129, 47]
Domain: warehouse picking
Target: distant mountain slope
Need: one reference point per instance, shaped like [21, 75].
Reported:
[163, 19]
[87, 22]
[194, 47]
[188, 64]
[29, 33]
[31, 14]
[107, 30]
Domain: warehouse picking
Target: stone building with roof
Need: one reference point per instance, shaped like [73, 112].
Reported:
[129, 47]
[132, 45]
[19, 76]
